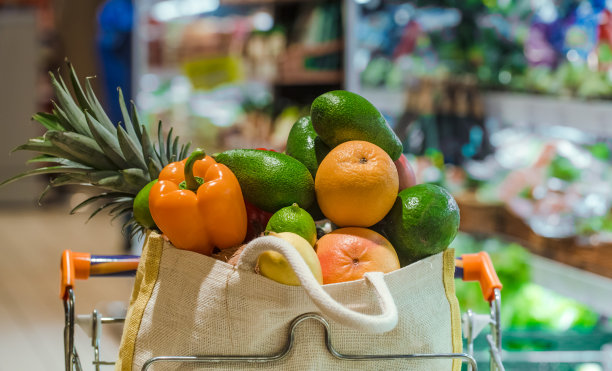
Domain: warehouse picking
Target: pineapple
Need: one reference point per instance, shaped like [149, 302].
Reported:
[82, 146]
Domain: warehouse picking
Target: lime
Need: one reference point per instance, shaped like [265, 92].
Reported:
[142, 214]
[296, 220]
[423, 221]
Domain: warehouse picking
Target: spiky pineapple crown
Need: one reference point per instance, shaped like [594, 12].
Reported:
[82, 146]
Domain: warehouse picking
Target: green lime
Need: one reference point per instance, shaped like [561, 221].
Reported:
[293, 219]
[423, 221]
[142, 214]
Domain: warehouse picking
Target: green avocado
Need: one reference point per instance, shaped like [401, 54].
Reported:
[340, 116]
[304, 145]
[269, 180]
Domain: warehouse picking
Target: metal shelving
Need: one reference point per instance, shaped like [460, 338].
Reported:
[593, 116]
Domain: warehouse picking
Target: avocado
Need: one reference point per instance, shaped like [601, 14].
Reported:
[339, 116]
[269, 180]
[304, 145]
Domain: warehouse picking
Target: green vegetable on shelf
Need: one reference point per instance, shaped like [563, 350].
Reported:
[562, 168]
[526, 306]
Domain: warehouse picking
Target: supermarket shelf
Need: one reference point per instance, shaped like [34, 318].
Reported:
[387, 101]
[591, 289]
[260, 2]
[591, 116]
[583, 272]
[486, 219]
[311, 78]
[293, 72]
[520, 109]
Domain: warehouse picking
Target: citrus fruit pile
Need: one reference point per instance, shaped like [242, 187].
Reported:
[359, 181]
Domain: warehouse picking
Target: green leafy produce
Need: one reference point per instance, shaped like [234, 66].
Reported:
[562, 168]
[525, 305]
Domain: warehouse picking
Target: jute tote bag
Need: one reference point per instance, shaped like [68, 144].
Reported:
[187, 304]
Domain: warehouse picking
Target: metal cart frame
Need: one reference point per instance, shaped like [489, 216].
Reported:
[469, 267]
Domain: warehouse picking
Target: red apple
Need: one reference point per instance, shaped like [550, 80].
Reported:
[405, 173]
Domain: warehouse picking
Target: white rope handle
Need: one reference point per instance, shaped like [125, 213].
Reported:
[386, 321]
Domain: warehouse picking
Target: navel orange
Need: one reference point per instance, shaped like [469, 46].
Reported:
[356, 184]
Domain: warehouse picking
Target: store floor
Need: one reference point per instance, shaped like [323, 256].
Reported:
[31, 313]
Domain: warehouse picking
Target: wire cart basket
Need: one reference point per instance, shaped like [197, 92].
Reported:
[468, 267]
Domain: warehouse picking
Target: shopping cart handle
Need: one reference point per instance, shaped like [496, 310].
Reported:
[478, 267]
[79, 265]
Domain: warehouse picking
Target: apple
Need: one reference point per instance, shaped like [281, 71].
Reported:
[257, 220]
[346, 254]
[273, 264]
[405, 173]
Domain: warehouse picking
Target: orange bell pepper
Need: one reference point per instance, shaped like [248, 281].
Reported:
[198, 204]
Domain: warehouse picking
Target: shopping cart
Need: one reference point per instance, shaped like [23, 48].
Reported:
[469, 267]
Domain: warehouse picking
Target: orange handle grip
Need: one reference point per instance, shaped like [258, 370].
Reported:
[478, 267]
[74, 265]
[78, 265]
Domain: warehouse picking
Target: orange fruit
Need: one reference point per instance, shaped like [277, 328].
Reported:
[346, 254]
[356, 184]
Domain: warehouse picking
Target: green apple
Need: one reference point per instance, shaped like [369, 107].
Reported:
[274, 265]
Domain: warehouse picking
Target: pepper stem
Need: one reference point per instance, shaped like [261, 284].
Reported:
[191, 182]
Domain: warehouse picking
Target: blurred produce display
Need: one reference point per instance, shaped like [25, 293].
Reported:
[527, 306]
[548, 47]
[557, 180]
[534, 318]
[447, 115]
[215, 74]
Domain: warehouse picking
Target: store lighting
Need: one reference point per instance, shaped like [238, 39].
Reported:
[168, 10]
[149, 82]
[573, 56]
[263, 21]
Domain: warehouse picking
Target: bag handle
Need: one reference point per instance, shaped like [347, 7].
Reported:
[386, 321]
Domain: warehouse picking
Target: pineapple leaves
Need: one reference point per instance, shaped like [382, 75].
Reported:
[44, 146]
[112, 196]
[108, 142]
[57, 160]
[46, 170]
[135, 119]
[82, 146]
[168, 151]
[160, 144]
[73, 112]
[130, 149]
[184, 150]
[109, 204]
[78, 90]
[49, 121]
[59, 113]
[148, 152]
[130, 127]
[154, 168]
[96, 108]
[136, 177]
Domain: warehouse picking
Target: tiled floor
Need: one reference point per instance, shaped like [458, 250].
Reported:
[31, 313]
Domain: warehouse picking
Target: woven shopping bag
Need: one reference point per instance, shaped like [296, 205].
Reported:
[187, 304]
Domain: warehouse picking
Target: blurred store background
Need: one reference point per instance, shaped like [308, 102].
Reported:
[506, 103]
